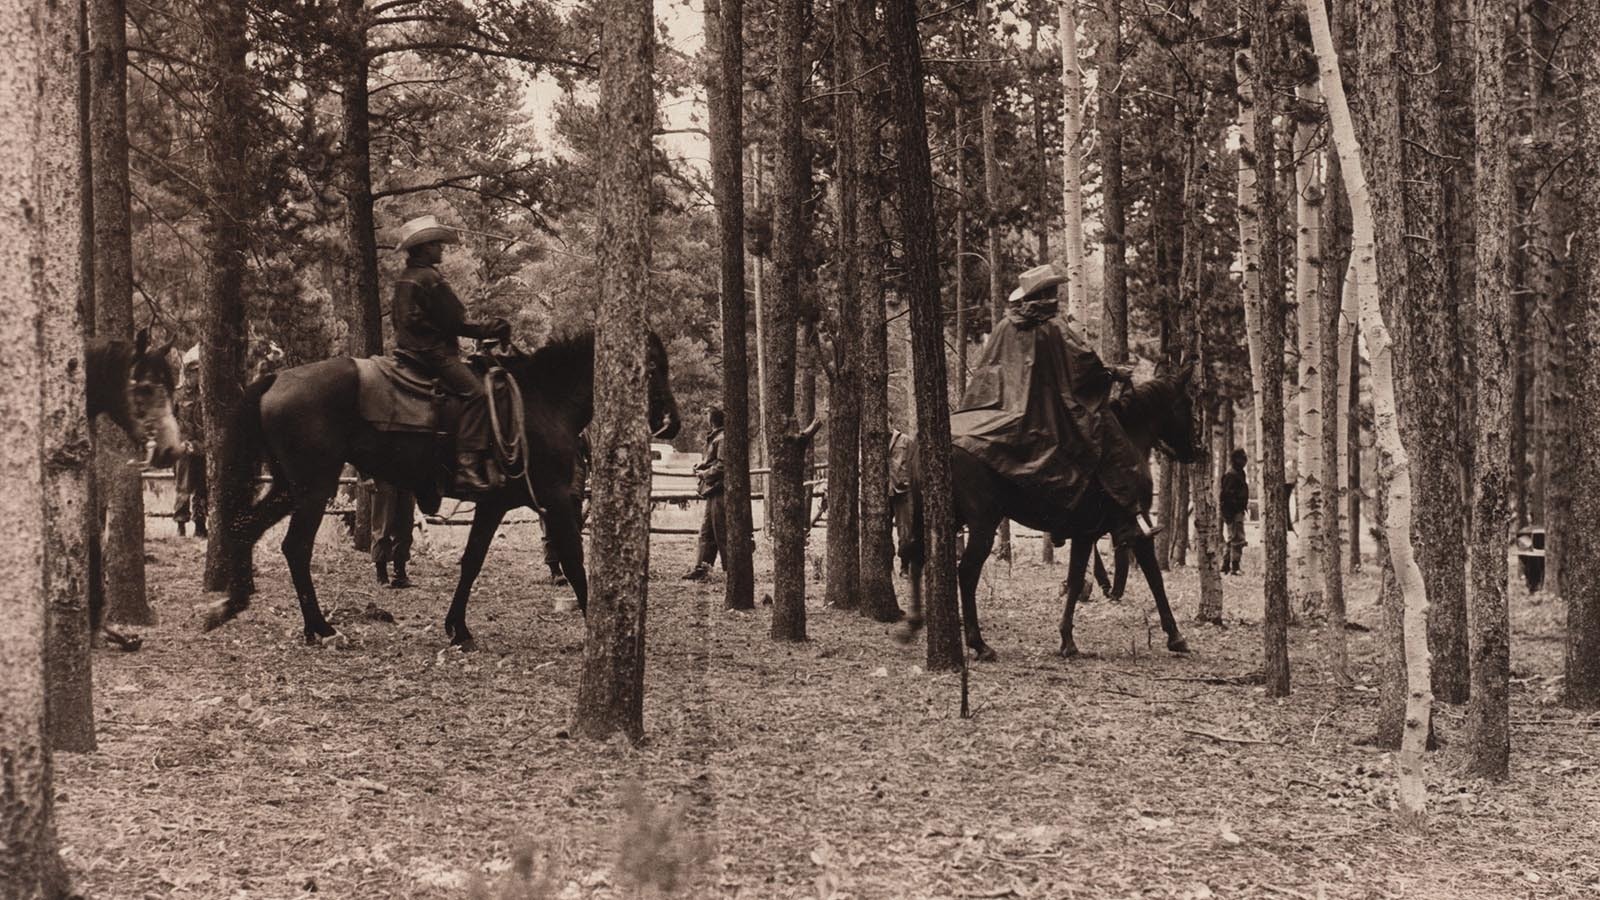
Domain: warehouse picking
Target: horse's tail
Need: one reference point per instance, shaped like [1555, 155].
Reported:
[248, 435]
[251, 440]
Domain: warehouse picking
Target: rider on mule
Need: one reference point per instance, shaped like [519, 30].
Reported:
[428, 318]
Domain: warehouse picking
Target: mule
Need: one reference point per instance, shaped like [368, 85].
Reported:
[305, 423]
[132, 385]
[1154, 413]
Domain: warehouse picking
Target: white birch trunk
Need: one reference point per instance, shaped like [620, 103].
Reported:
[1308, 293]
[1078, 307]
[1250, 247]
[1394, 467]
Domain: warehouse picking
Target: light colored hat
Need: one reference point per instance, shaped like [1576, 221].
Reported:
[1036, 279]
[192, 356]
[424, 230]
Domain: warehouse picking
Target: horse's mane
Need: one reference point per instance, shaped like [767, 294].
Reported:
[1149, 399]
[556, 362]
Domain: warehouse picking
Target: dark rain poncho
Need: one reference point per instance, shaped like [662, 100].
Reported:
[1036, 412]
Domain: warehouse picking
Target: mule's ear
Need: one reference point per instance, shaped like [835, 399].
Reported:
[1186, 370]
[164, 350]
[141, 341]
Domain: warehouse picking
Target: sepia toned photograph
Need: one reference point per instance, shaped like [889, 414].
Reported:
[815, 449]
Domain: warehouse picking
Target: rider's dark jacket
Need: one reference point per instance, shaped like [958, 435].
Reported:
[428, 317]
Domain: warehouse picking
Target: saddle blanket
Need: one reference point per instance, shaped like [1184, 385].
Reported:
[394, 397]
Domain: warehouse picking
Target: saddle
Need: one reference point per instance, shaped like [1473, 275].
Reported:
[399, 393]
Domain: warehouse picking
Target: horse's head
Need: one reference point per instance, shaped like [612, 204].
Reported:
[150, 386]
[665, 420]
[1159, 413]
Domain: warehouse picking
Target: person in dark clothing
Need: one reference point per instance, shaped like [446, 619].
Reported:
[710, 472]
[393, 526]
[428, 319]
[1235, 500]
[189, 472]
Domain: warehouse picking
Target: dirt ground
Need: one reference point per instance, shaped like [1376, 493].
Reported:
[242, 764]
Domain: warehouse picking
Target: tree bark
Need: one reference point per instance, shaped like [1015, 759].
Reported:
[1072, 170]
[611, 689]
[121, 489]
[915, 178]
[363, 310]
[991, 223]
[725, 90]
[1249, 218]
[229, 466]
[1276, 520]
[877, 538]
[32, 35]
[1309, 273]
[1395, 477]
[1581, 582]
[1114, 242]
[843, 590]
[786, 444]
[65, 450]
[1336, 281]
[1488, 711]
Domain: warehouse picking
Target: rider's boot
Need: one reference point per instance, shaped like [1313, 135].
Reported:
[468, 478]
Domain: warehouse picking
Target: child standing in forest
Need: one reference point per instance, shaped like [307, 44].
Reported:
[1235, 499]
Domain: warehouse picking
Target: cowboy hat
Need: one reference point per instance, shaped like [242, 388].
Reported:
[424, 230]
[1035, 280]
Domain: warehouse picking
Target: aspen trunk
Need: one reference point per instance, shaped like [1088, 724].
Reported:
[1078, 310]
[1250, 238]
[1336, 280]
[1395, 477]
[611, 687]
[121, 489]
[66, 452]
[1113, 243]
[1308, 294]
[36, 40]
[1488, 711]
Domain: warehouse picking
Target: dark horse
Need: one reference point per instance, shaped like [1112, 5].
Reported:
[131, 384]
[1155, 413]
[305, 423]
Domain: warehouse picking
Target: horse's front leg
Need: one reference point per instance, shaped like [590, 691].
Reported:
[1077, 568]
[1144, 550]
[486, 520]
[980, 541]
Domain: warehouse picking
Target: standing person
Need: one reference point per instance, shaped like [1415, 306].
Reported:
[1235, 500]
[393, 524]
[428, 321]
[189, 472]
[710, 472]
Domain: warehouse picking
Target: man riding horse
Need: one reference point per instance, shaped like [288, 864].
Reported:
[1038, 409]
[428, 318]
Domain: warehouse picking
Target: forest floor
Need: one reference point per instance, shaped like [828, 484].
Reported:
[242, 764]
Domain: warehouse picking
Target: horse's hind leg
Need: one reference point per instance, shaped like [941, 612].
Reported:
[246, 529]
[566, 539]
[297, 547]
[1144, 550]
[980, 540]
[1119, 580]
[1077, 568]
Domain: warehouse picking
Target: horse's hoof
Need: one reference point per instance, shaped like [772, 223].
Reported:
[565, 605]
[1068, 650]
[333, 640]
[468, 644]
[907, 630]
[127, 643]
[1114, 598]
[1178, 645]
[985, 653]
[219, 614]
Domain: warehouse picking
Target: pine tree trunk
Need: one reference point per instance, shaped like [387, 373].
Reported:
[611, 688]
[915, 179]
[1193, 296]
[1309, 273]
[959, 292]
[363, 309]
[725, 90]
[1488, 711]
[32, 35]
[1395, 475]
[229, 467]
[1336, 280]
[1113, 244]
[877, 536]
[991, 226]
[1078, 310]
[121, 489]
[1581, 581]
[1353, 449]
[1263, 29]
[786, 445]
[65, 450]
[844, 394]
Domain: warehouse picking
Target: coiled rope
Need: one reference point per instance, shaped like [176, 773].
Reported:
[512, 452]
